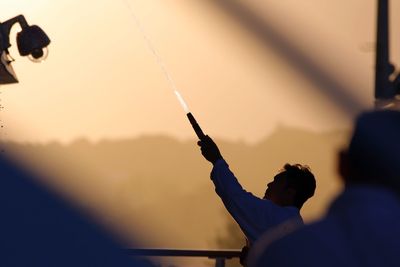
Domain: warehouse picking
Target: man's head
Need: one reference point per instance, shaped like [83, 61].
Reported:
[373, 155]
[292, 186]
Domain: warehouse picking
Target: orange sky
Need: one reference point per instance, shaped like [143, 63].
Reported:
[101, 81]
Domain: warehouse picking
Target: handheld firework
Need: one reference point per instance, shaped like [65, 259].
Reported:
[196, 127]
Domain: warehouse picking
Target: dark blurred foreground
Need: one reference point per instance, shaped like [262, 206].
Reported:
[37, 228]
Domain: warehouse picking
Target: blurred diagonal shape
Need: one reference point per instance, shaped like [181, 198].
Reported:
[337, 91]
[40, 228]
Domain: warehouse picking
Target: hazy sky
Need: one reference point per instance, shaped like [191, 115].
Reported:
[101, 80]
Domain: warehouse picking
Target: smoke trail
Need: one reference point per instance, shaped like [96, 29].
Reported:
[196, 127]
[152, 49]
[183, 103]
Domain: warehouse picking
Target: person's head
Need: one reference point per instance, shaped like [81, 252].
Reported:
[373, 155]
[292, 186]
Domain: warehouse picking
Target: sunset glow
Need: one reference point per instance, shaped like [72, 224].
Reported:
[101, 75]
[100, 116]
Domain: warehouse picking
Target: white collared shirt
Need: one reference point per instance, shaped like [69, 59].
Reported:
[254, 215]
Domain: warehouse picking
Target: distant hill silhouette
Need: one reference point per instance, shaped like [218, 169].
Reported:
[158, 188]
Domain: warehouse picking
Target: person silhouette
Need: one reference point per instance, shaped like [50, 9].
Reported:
[361, 225]
[281, 203]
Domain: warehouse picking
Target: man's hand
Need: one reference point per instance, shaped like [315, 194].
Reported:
[209, 149]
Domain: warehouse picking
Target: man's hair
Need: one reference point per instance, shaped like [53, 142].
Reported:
[302, 180]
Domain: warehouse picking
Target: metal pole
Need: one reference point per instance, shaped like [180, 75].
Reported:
[219, 262]
[384, 88]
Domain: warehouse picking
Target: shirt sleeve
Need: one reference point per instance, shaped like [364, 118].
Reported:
[254, 215]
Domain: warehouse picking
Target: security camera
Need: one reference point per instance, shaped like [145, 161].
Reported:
[32, 41]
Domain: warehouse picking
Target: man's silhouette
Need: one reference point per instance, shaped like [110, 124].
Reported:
[282, 201]
[361, 227]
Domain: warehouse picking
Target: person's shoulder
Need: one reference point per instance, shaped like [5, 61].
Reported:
[283, 212]
[293, 249]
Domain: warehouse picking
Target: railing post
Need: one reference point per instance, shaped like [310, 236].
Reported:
[218, 255]
[219, 262]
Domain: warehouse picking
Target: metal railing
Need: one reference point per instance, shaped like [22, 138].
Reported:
[218, 255]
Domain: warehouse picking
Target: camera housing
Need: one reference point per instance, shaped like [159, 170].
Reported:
[33, 41]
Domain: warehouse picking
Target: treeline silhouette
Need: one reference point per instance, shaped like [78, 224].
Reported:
[157, 188]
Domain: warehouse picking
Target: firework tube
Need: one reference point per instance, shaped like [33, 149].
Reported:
[196, 126]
